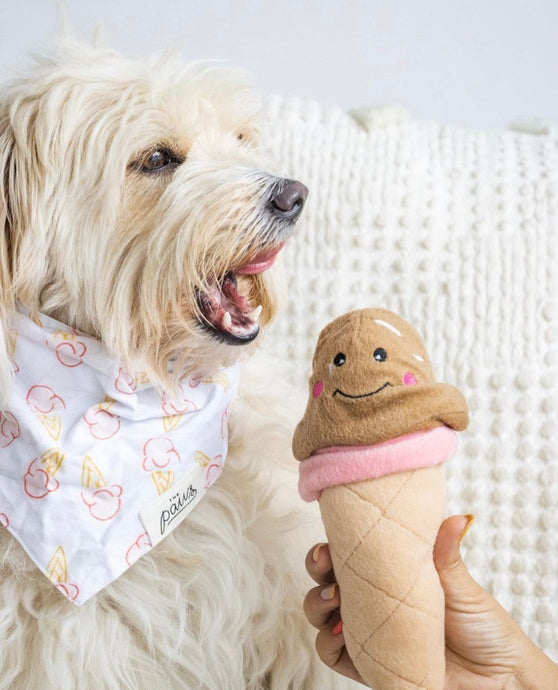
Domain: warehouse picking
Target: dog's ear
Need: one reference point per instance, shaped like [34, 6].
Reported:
[7, 297]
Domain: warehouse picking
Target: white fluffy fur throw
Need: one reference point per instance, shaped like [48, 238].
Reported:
[457, 230]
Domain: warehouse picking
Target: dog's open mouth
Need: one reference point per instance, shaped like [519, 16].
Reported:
[225, 311]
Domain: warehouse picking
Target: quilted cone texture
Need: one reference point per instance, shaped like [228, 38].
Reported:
[381, 534]
[372, 382]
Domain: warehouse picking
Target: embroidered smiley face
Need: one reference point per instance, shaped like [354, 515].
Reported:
[384, 354]
[372, 381]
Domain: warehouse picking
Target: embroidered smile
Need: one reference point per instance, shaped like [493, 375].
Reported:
[364, 395]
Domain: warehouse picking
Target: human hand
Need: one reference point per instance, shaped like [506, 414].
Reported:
[321, 607]
[485, 648]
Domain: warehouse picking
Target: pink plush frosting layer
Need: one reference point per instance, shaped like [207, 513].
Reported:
[349, 464]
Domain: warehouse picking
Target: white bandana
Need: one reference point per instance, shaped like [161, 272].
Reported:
[96, 466]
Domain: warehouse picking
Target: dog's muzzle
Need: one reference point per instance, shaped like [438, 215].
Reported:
[228, 314]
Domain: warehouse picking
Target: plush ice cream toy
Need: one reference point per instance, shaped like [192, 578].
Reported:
[374, 437]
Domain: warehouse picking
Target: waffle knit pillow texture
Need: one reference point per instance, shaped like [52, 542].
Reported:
[457, 231]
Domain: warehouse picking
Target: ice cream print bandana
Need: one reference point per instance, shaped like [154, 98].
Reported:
[97, 466]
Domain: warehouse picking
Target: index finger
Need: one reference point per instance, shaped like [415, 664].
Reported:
[319, 565]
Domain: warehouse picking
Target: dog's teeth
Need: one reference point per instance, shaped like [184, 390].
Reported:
[227, 319]
[256, 313]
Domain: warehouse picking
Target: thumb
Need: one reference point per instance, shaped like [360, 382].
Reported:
[477, 622]
[458, 585]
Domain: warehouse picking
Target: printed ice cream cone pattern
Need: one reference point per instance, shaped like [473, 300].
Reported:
[57, 572]
[40, 478]
[103, 501]
[163, 480]
[102, 423]
[97, 465]
[9, 428]
[375, 434]
[45, 403]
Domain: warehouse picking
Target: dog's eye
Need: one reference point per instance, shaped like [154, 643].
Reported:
[240, 136]
[156, 160]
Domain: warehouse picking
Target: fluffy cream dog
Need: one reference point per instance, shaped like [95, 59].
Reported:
[136, 209]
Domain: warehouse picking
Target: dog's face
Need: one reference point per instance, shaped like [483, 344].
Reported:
[137, 206]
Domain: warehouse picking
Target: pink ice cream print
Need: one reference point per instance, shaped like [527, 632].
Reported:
[9, 429]
[43, 400]
[37, 482]
[174, 409]
[213, 471]
[102, 423]
[125, 382]
[103, 501]
[70, 353]
[159, 453]
[69, 590]
[4, 520]
[213, 467]
[179, 405]
[138, 548]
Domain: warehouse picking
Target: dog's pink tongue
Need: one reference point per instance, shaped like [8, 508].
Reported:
[230, 312]
[232, 299]
[261, 262]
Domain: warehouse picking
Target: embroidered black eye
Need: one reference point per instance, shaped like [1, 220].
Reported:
[380, 355]
[339, 359]
[240, 136]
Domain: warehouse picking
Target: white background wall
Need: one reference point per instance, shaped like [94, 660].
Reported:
[469, 62]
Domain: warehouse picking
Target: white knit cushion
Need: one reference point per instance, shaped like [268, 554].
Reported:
[456, 230]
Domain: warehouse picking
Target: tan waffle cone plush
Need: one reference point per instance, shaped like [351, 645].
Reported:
[374, 437]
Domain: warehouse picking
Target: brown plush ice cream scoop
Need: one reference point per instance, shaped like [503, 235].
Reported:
[372, 381]
[374, 437]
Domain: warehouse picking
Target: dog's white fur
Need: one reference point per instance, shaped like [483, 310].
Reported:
[94, 241]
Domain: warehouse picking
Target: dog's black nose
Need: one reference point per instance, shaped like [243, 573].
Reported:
[289, 202]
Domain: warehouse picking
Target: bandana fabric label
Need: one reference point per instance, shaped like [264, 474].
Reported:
[174, 506]
[97, 466]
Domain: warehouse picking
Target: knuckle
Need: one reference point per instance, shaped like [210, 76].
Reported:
[307, 605]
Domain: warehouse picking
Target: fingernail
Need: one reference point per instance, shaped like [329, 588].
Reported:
[337, 628]
[470, 519]
[328, 593]
[316, 553]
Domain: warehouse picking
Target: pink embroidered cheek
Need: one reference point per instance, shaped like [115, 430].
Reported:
[318, 389]
[409, 379]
